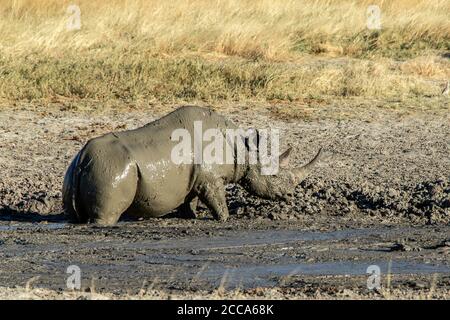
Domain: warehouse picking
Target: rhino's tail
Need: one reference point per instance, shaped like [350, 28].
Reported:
[71, 190]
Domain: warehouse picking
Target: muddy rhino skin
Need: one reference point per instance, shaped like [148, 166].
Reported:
[132, 172]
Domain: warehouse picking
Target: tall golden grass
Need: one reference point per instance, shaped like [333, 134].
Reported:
[272, 29]
[222, 49]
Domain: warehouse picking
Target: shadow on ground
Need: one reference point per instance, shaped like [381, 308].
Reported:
[10, 214]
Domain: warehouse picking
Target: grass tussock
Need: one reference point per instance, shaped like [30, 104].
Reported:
[222, 50]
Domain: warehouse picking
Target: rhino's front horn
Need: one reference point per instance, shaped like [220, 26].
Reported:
[302, 172]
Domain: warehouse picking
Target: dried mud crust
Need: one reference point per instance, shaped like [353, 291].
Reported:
[390, 168]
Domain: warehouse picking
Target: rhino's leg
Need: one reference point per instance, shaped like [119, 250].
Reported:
[104, 197]
[188, 209]
[211, 192]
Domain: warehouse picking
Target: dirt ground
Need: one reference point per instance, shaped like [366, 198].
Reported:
[381, 198]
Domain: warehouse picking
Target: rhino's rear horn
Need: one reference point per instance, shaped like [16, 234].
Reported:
[284, 158]
[302, 172]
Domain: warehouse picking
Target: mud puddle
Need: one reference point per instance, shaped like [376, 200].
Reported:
[272, 275]
[32, 226]
[121, 259]
[253, 238]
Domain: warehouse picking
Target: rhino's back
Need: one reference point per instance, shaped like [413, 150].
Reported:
[152, 144]
[184, 118]
[163, 184]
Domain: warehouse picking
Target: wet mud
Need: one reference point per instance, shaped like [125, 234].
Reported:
[173, 254]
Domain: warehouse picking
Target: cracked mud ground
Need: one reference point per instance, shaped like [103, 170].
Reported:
[382, 198]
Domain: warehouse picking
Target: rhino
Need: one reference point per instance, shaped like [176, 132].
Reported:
[132, 172]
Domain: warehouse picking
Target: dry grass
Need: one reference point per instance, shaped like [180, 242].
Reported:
[234, 50]
[20, 293]
[246, 28]
[436, 289]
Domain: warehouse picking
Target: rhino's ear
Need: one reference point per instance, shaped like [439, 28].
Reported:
[252, 139]
[284, 158]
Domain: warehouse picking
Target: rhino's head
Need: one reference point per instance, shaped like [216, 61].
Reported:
[280, 186]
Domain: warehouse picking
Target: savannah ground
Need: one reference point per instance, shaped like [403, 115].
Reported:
[311, 68]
